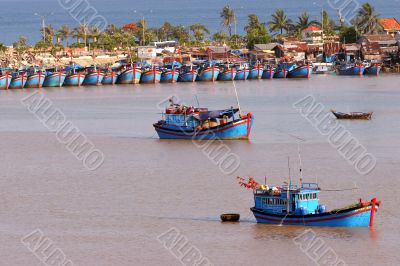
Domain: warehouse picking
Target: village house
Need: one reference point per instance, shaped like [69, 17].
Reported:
[390, 26]
[312, 34]
[265, 52]
[380, 43]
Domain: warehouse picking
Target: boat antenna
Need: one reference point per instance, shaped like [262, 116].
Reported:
[300, 164]
[288, 188]
[237, 98]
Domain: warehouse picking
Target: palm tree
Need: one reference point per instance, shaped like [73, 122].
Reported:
[221, 37]
[279, 22]
[228, 18]
[63, 33]
[79, 33]
[94, 33]
[304, 21]
[181, 34]
[367, 20]
[49, 32]
[3, 48]
[198, 31]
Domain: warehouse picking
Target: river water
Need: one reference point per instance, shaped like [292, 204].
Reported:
[147, 187]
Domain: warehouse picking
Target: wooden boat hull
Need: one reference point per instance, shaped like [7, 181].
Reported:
[55, 79]
[18, 82]
[256, 72]
[5, 81]
[351, 71]
[280, 74]
[236, 130]
[208, 74]
[227, 75]
[110, 78]
[354, 216]
[130, 76]
[151, 77]
[242, 74]
[75, 79]
[188, 76]
[93, 79]
[170, 76]
[268, 73]
[35, 80]
[373, 70]
[355, 116]
[300, 72]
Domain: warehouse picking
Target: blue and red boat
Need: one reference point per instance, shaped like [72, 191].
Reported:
[170, 75]
[94, 77]
[351, 69]
[18, 80]
[242, 73]
[227, 74]
[74, 79]
[35, 79]
[373, 69]
[256, 72]
[268, 72]
[282, 70]
[187, 122]
[300, 72]
[151, 76]
[54, 78]
[110, 77]
[293, 205]
[5, 80]
[188, 74]
[208, 73]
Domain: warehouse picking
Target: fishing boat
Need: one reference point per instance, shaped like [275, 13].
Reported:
[5, 80]
[373, 69]
[256, 72]
[35, 79]
[242, 72]
[350, 69]
[170, 75]
[94, 77]
[300, 72]
[299, 205]
[322, 68]
[188, 74]
[110, 77]
[227, 73]
[268, 72]
[188, 122]
[353, 115]
[54, 78]
[74, 78]
[130, 74]
[208, 73]
[282, 70]
[151, 76]
[18, 80]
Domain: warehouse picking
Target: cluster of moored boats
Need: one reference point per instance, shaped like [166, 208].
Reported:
[73, 75]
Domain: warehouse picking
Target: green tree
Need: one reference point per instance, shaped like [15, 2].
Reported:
[181, 34]
[49, 32]
[220, 37]
[3, 48]
[304, 21]
[79, 33]
[367, 20]
[20, 46]
[348, 34]
[328, 24]
[166, 31]
[228, 18]
[199, 30]
[279, 22]
[256, 32]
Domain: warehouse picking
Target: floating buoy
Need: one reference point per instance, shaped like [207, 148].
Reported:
[230, 217]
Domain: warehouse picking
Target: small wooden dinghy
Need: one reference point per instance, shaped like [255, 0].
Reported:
[353, 115]
[230, 217]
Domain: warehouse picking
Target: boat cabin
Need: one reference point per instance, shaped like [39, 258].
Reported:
[289, 199]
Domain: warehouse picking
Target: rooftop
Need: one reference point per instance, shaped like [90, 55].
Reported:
[312, 28]
[390, 24]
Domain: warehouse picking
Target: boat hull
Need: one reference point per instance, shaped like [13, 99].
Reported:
[268, 73]
[93, 79]
[300, 72]
[352, 217]
[209, 74]
[110, 78]
[242, 74]
[130, 76]
[372, 70]
[151, 77]
[352, 71]
[280, 74]
[18, 82]
[75, 79]
[170, 76]
[256, 73]
[35, 81]
[236, 130]
[55, 80]
[228, 75]
[5, 81]
[189, 76]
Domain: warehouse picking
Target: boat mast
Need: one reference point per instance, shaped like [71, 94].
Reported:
[288, 189]
[237, 98]
[300, 164]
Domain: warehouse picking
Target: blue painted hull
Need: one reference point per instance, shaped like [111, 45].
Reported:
[130, 76]
[268, 73]
[74, 79]
[242, 74]
[354, 217]
[300, 72]
[372, 70]
[93, 79]
[55, 79]
[110, 78]
[170, 76]
[351, 71]
[35, 80]
[208, 74]
[239, 129]
[228, 75]
[18, 82]
[189, 76]
[256, 73]
[5, 81]
[151, 77]
[280, 74]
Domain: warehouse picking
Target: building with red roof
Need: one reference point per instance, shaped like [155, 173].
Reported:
[390, 26]
[312, 34]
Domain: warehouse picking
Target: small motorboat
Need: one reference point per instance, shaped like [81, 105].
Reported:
[352, 115]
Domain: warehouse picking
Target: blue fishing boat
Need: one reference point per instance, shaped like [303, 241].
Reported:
[5, 80]
[351, 69]
[242, 73]
[54, 78]
[187, 122]
[188, 74]
[74, 78]
[300, 72]
[35, 79]
[227, 74]
[130, 74]
[18, 80]
[170, 75]
[299, 205]
[283, 69]
[110, 77]
[268, 72]
[94, 77]
[373, 69]
[256, 72]
[208, 73]
[151, 76]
